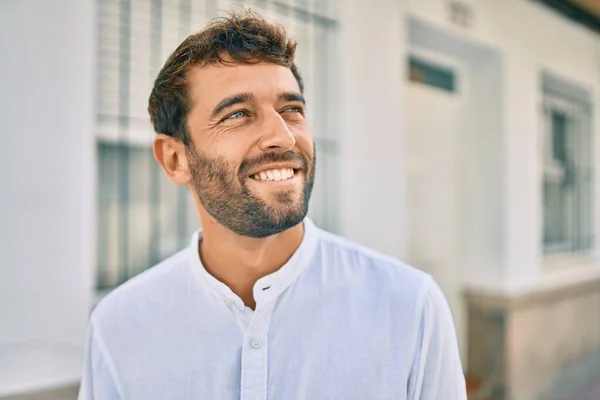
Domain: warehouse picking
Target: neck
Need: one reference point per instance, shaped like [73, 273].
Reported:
[240, 261]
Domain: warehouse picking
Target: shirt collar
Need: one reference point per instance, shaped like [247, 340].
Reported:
[268, 287]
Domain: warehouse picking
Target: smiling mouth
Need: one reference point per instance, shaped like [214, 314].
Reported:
[277, 175]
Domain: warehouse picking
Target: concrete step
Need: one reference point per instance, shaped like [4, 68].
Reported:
[65, 393]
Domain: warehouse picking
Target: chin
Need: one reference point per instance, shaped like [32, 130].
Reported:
[289, 199]
[285, 204]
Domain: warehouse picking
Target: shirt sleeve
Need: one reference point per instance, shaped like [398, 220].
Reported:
[98, 379]
[436, 372]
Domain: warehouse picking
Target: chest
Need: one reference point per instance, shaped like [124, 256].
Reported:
[295, 352]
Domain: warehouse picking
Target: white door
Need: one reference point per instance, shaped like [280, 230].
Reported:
[435, 119]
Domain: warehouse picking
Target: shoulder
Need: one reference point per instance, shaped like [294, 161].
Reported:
[148, 288]
[372, 269]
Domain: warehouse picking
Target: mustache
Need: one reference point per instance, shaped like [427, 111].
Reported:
[272, 157]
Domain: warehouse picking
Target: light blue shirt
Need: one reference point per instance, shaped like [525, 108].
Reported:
[337, 321]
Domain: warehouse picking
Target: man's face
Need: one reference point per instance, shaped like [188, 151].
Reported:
[251, 157]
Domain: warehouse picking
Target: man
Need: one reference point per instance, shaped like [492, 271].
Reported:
[263, 304]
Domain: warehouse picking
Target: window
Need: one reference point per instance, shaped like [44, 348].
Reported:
[142, 217]
[429, 74]
[567, 168]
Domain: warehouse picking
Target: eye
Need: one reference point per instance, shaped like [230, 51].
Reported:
[237, 114]
[294, 109]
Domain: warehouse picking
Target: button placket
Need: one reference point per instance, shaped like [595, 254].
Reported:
[254, 354]
[264, 291]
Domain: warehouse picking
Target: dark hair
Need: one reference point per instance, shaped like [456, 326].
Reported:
[240, 38]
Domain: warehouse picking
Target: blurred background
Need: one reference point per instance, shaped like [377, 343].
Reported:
[460, 136]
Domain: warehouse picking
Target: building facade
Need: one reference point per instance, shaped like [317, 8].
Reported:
[458, 136]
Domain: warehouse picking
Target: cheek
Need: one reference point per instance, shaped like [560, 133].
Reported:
[303, 138]
[305, 144]
[233, 150]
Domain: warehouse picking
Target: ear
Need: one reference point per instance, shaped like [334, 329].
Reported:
[170, 154]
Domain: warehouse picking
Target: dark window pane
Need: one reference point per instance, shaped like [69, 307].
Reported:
[559, 137]
[432, 75]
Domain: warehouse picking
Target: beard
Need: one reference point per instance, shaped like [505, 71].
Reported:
[224, 193]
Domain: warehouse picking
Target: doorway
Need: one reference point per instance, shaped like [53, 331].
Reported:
[452, 143]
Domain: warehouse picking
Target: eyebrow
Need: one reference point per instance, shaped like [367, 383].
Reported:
[231, 101]
[246, 97]
[292, 96]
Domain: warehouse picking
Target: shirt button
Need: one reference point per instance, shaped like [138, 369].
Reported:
[256, 344]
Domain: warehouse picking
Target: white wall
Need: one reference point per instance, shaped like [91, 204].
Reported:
[369, 110]
[453, 142]
[47, 179]
[530, 39]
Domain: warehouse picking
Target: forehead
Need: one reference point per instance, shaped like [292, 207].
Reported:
[208, 85]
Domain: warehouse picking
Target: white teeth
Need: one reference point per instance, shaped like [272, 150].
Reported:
[274, 174]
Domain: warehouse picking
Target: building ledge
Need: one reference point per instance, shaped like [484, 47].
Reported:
[38, 365]
[575, 280]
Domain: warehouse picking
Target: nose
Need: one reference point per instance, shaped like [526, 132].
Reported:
[277, 136]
